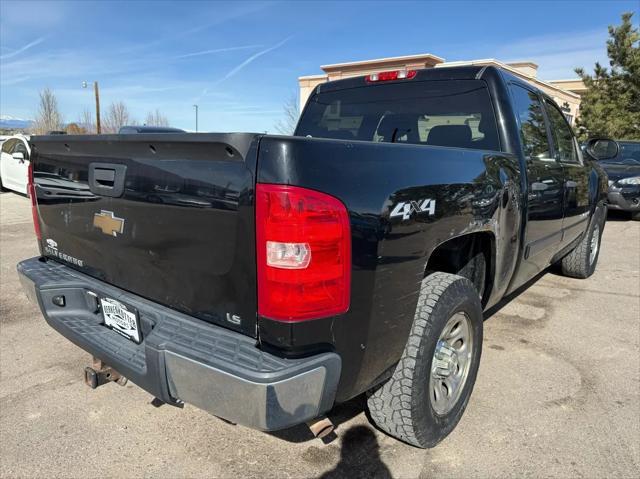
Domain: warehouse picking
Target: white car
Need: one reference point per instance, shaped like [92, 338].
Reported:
[14, 163]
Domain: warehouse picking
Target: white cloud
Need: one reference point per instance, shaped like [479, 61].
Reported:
[558, 54]
[240, 10]
[251, 59]
[217, 50]
[206, 91]
[22, 49]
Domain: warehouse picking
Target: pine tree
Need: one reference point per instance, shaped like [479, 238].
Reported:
[611, 105]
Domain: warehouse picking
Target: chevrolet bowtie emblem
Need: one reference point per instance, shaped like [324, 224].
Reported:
[109, 224]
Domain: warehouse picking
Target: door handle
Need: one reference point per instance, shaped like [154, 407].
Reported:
[107, 179]
[537, 186]
[571, 184]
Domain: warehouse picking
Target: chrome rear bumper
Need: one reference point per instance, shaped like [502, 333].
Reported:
[183, 359]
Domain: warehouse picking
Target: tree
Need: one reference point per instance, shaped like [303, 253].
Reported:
[155, 118]
[287, 125]
[117, 116]
[48, 117]
[611, 105]
[87, 121]
[75, 129]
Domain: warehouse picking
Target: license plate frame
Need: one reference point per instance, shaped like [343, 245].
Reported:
[121, 318]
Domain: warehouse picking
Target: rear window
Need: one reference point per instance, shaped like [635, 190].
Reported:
[440, 113]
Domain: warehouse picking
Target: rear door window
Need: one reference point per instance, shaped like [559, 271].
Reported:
[563, 139]
[439, 113]
[533, 132]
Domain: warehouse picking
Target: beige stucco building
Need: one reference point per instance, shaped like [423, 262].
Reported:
[566, 93]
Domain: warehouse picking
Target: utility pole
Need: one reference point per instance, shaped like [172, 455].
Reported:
[196, 107]
[96, 91]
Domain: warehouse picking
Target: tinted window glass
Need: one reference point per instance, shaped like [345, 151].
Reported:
[531, 120]
[629, 151]
[21, 147]
[562, 135]
[7, 146]
[442, 113]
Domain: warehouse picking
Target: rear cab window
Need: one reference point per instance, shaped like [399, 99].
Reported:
[438, 113]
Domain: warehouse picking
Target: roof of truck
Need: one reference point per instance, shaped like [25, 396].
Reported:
[466, 72]
[444, 73]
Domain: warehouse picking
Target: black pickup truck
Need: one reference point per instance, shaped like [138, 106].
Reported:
[266, 278]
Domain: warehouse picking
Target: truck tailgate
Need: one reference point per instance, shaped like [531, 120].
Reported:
[169, 217]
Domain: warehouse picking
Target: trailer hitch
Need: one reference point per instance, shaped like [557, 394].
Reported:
[99, 373]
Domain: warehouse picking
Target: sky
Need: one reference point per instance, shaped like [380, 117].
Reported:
[239, 61]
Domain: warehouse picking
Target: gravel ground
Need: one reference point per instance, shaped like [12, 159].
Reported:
[558, 395]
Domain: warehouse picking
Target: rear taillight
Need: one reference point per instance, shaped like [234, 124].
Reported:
[303, 253]
[391, 75]
[31, 191]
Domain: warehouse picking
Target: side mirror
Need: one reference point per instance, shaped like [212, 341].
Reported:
[18, 155]
[602, 148]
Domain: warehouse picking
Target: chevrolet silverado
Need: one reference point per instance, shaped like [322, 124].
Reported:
[266, 278]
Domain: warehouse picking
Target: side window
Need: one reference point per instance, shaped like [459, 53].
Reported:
[21, 148]
[562, 135]
[533, 132]
[7, 146]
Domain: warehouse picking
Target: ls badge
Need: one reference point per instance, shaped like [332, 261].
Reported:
[407, 208]
[109, 224]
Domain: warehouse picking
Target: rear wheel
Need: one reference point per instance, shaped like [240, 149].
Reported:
[581, 261]
[635, 216]
[430, 387]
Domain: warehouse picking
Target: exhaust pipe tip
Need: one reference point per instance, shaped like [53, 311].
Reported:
[321, 427]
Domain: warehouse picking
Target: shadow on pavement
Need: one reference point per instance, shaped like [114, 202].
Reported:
[359, 456]
[614, 215]
[340, 414]
[513, 295]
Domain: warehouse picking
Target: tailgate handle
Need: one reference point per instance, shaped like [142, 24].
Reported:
[107, 179]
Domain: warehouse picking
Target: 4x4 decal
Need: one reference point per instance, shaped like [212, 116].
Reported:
[407, 208]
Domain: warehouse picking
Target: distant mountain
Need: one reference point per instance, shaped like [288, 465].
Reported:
[12, 123]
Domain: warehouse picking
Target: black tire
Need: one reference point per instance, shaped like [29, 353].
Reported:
[635, 216]
[2, 188]
[579, 263]
[402, 406]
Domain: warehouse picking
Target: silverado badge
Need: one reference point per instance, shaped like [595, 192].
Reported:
[109, 224]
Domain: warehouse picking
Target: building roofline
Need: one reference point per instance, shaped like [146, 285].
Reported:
[421, 56]
[523, 63]
[313, 77]
[565, 80]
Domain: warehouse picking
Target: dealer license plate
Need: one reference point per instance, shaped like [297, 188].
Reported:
[121, 318]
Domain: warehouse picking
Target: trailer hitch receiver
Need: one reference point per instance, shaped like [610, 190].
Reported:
[99, 373]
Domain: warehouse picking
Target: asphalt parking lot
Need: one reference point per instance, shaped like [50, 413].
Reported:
[558, 395]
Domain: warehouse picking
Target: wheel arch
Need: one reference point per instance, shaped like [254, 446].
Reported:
[458, 255]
